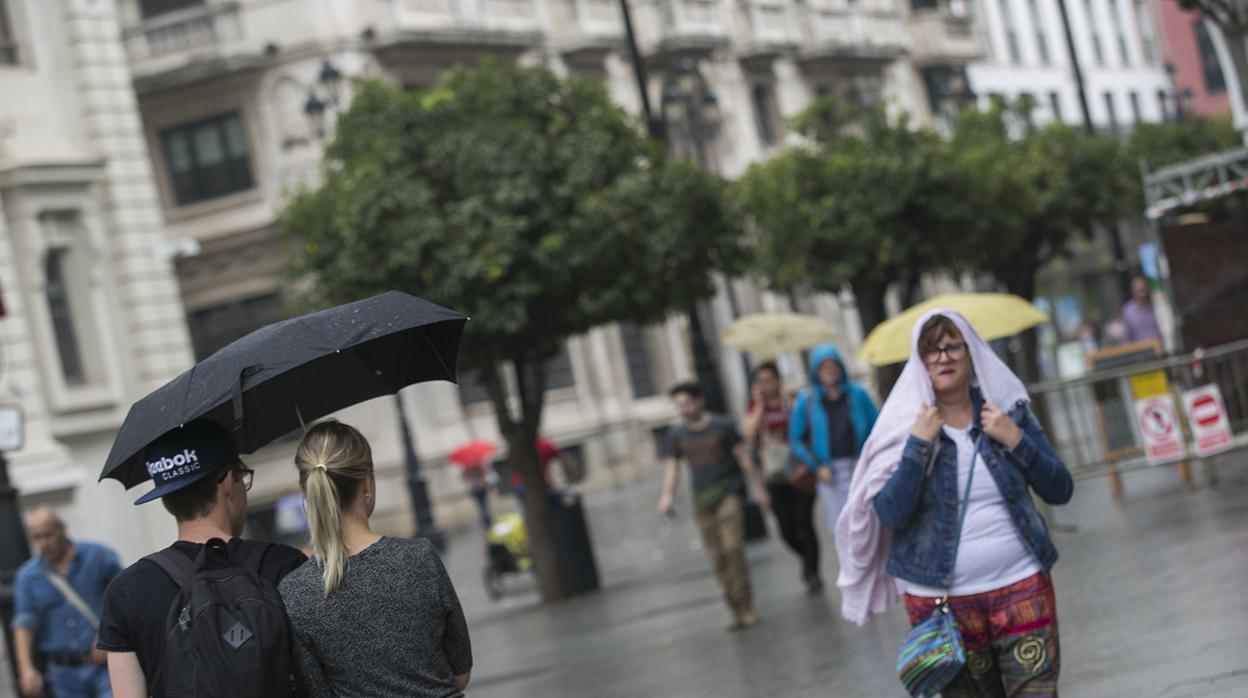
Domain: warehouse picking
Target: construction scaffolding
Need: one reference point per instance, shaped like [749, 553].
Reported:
[1187, 183]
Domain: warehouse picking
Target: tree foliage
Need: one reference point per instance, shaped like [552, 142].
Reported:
[529, 202]
[1035, 190]
[868, 201]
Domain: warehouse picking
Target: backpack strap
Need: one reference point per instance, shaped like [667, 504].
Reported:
[178, 566]
[255, 555]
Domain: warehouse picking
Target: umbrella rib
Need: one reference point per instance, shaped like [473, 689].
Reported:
[434, 348]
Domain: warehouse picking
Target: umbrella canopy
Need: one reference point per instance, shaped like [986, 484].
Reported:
[473, 454]
[994, 315]
[768, 335]
[275, 379]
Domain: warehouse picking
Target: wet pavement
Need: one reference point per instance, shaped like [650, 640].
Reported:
[1149, 599]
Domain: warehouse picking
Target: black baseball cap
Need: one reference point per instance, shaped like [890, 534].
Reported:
[185, 455]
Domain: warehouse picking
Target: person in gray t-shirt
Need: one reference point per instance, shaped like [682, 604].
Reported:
[372, 616]
[717, 459]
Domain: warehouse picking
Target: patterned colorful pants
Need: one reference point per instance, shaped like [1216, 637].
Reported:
[1010, 636]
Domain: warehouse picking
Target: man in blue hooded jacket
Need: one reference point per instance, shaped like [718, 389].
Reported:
[830, 423]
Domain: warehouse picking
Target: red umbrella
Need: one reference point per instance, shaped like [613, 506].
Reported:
[473, 454]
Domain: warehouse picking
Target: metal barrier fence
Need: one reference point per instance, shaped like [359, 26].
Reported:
[1091, 419]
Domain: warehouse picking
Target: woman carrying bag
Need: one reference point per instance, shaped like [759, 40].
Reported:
[941, 506]
[791, 485]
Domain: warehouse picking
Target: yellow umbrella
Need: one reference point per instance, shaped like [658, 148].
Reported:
[768, 335]
[993, 315]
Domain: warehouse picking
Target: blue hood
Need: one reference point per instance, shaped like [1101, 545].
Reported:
[822, 353]
[808, 423]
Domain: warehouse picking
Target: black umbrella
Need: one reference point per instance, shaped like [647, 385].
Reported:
[275, 379]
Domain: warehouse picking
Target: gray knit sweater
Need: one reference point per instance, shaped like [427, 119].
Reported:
[393, 627]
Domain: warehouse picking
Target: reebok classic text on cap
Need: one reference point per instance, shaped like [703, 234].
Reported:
[185, 455]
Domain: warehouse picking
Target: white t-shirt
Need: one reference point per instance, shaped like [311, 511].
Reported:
[991, 555]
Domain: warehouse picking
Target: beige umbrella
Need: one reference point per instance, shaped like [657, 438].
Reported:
[768, 335]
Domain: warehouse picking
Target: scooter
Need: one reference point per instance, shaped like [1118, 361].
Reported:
[507, 552]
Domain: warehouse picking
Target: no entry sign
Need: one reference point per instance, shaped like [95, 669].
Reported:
[1207, 415]
[1159, 424]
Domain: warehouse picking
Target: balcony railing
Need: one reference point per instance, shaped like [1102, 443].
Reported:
[772, 24]
[598, 18]
[170, 41]
[491, 16]
[685, 24]
[855, 32]
[940, 37]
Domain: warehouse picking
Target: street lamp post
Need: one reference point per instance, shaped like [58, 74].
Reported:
[1115, 235]
[703, 362]
[323, 97]
[417, 487]
[14, 550]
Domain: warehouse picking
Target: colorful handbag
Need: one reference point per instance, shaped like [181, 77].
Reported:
[933, 653]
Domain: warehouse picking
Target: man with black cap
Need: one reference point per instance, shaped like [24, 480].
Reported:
[201, 481]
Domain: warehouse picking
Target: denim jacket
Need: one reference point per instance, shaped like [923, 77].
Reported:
[922, 508]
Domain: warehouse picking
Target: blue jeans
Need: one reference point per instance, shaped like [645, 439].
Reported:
[78, 682]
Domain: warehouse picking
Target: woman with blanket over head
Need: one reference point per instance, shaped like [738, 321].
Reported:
[958, 413]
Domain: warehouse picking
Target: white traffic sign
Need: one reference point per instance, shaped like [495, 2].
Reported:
[1159, 424]
[11, 428]
[1207, 414]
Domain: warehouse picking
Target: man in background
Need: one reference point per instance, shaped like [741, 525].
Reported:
[718, 463]
[1138, 314]
[58, 596]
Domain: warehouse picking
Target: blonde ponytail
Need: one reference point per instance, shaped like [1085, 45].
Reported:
[333, 461]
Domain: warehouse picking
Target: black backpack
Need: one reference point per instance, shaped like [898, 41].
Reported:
[226, 633]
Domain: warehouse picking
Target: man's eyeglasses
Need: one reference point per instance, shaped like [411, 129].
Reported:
[243, 474]
[956, 351]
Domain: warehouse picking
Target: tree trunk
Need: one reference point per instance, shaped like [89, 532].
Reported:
[869, 296]
[1022, 282]
[521, 434]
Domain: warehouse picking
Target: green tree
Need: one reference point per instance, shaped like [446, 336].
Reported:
[867, 202]
[1177, 141]
[531, 203]
[1035, 191]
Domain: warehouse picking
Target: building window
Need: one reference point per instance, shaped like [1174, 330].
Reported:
[215, 327]
[152, 8]
[1215, 81]
[207, 159]
[1147, 38]
[637, 358]
[864, 92]
[57, 277]
[1055, 105]
[1111, 114]
[1042, 37]
[1011, 33]
[1098, 51]
[8, 42]
[559, 370]
[1136, 115]
[1115, 11]
[765, 115]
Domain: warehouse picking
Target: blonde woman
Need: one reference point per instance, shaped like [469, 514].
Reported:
[372, 616]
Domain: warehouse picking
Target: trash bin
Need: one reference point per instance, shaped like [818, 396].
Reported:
[578, 570]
